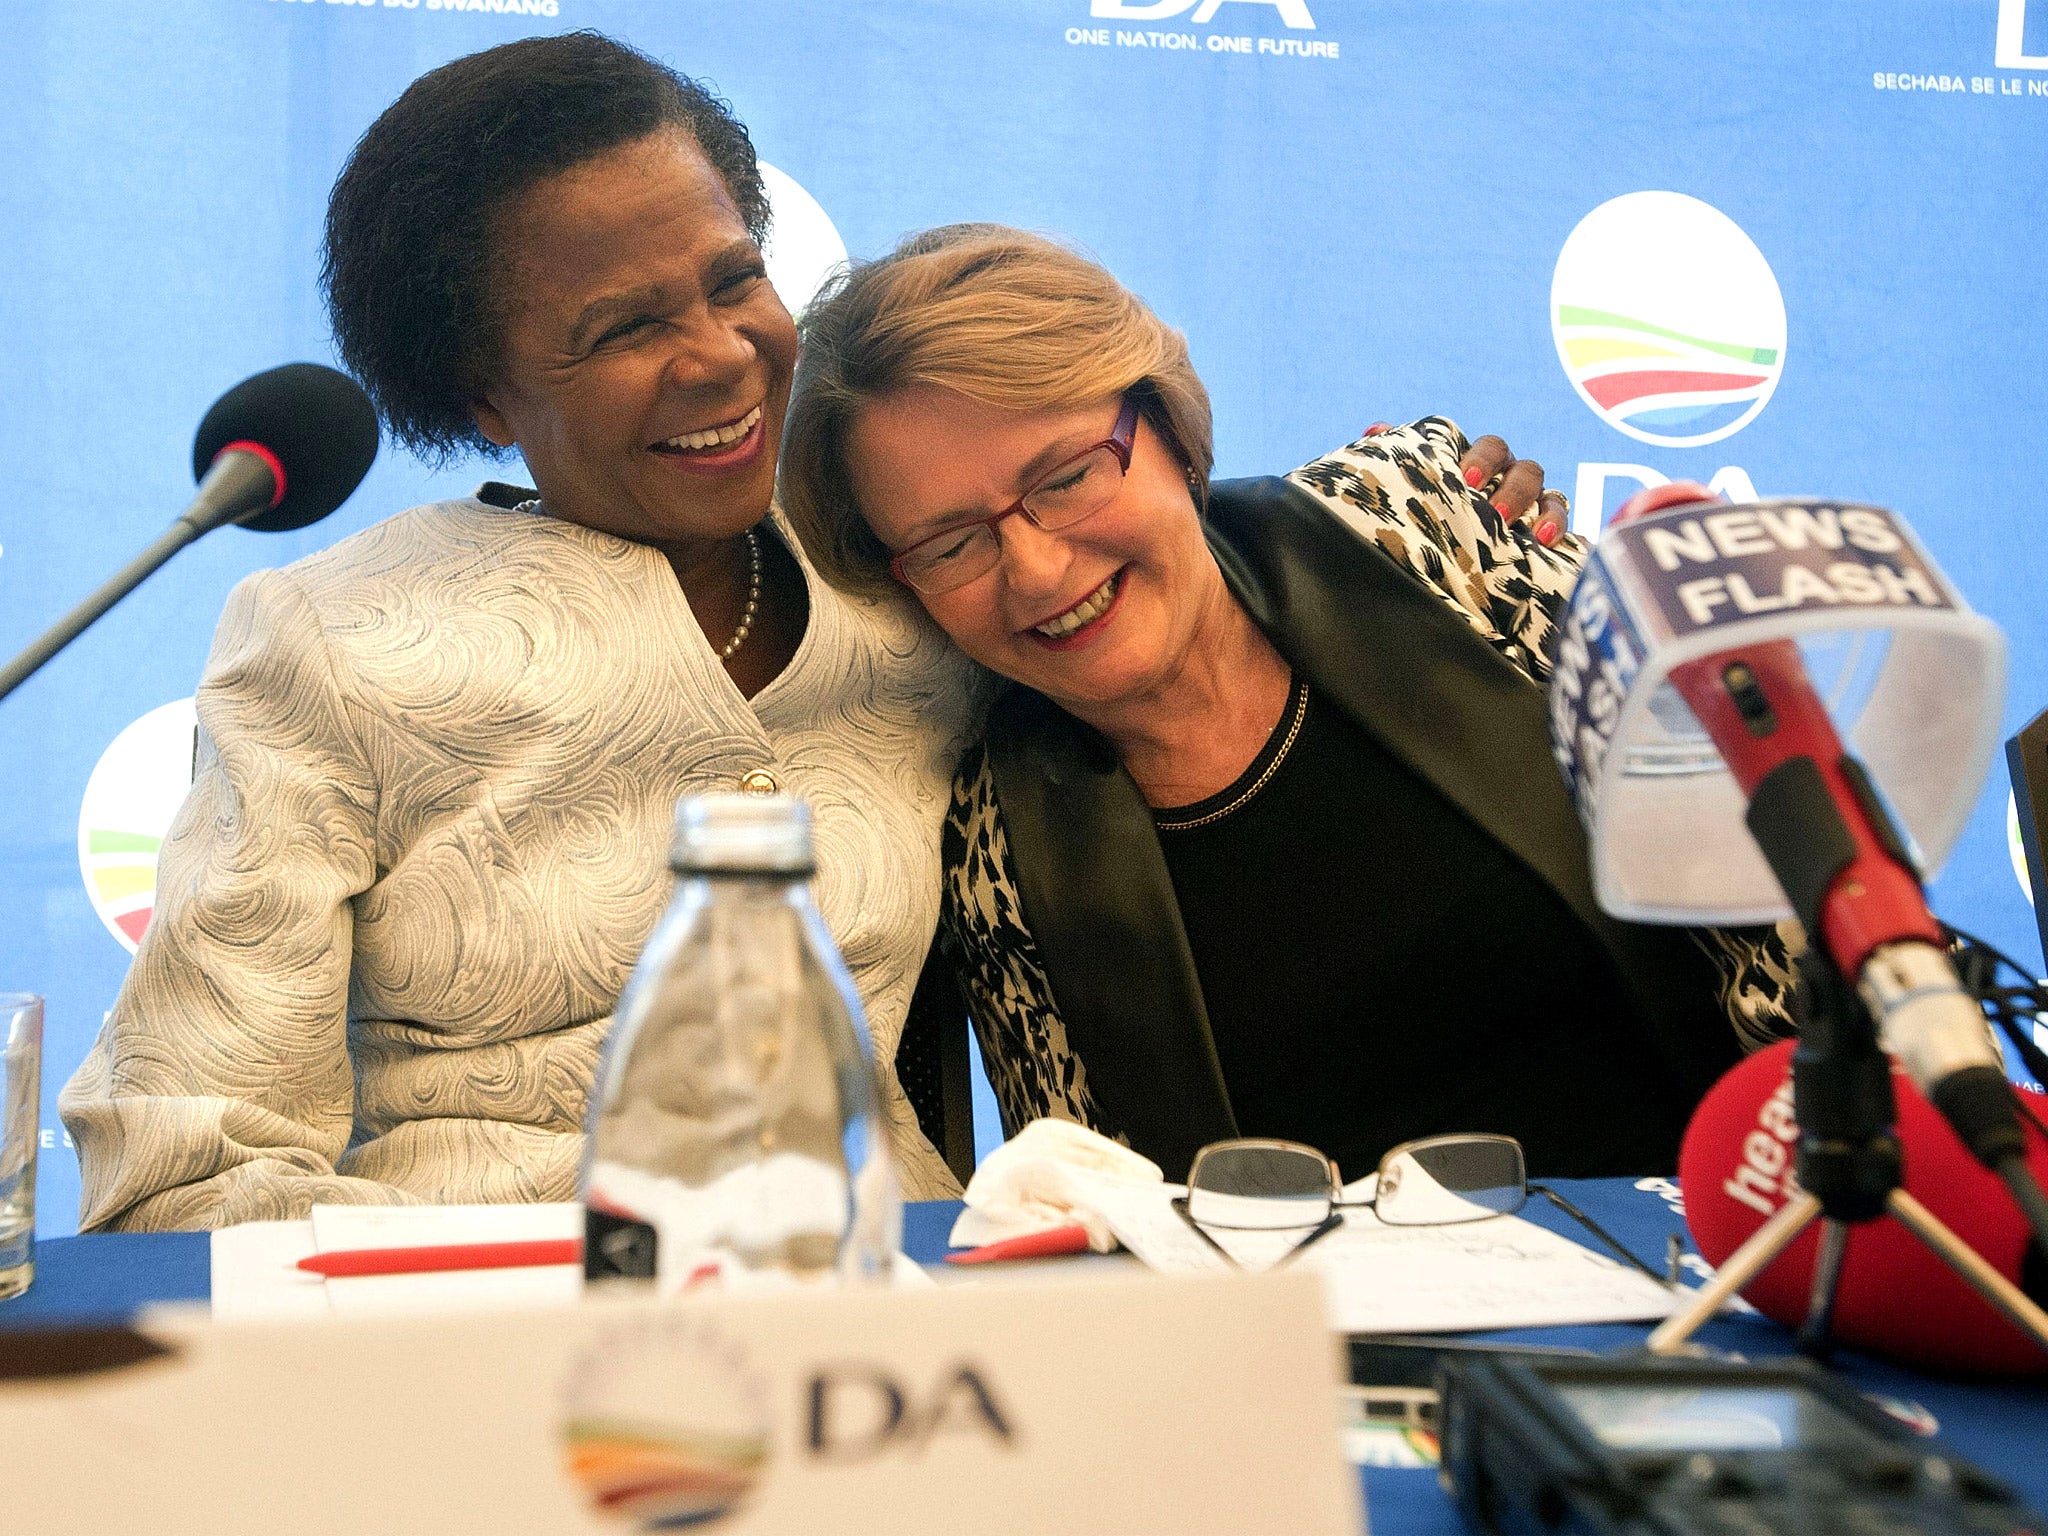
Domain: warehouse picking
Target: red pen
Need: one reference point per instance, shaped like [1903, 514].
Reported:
[1033, 1245]
[444, 1256]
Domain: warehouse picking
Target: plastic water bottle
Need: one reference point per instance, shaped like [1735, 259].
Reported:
[735, 1129]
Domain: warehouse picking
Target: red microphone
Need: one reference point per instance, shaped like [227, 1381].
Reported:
[1828, 839]
[1897, 1298]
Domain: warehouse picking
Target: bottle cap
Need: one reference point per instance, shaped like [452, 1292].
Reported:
[742, 834]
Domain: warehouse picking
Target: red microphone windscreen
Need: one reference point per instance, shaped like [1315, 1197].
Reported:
[1896, 1298]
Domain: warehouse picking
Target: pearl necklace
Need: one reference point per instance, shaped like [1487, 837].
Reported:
[739, 636]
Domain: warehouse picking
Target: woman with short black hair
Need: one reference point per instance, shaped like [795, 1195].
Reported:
[439, 761]
[413, 234]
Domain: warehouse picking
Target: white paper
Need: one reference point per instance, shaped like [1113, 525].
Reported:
[905, 1273]
[345, 1228]
[1141, 1214]
[254, 1273]
[1499, 1273]
[256, 1278]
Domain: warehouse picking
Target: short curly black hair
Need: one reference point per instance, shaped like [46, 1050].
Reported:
[408, 259]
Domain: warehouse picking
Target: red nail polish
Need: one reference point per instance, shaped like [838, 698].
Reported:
[1377, 428]
[1501, 508]
[1548, 531]
[1475, 477]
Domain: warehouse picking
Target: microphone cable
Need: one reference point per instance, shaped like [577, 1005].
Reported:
[2010, 1009]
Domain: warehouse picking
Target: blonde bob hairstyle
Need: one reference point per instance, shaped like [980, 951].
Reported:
[1005, 318]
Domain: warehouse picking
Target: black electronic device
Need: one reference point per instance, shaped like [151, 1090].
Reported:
[1416, 1359]
[1394, 1376]
[1684, 1447]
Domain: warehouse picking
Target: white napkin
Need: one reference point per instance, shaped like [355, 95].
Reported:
[1043, 1177]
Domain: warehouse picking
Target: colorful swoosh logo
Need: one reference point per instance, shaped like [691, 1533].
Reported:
[1641, 360]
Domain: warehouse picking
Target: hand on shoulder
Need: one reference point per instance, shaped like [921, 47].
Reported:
[1406, 490]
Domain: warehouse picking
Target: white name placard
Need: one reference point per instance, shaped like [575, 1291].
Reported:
[1118, 1404]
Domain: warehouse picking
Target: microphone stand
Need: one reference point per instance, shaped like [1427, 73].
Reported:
[1850, 1164]
[236, 480]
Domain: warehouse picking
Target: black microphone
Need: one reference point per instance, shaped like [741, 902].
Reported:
[279, 451]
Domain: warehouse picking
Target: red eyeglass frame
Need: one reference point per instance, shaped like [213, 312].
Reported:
[1122, 436]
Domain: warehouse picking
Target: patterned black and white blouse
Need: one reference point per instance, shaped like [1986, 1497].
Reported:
[1401, 491]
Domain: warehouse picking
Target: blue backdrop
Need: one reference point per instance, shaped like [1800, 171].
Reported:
[1357, 210]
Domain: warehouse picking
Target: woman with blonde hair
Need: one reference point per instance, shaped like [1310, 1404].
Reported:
[1265, 838]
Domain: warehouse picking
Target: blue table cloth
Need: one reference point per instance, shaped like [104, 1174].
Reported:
[2001, 1425]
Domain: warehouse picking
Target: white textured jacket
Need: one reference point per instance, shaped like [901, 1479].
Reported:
[427, 837]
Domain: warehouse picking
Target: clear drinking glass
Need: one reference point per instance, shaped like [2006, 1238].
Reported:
[21, 1088]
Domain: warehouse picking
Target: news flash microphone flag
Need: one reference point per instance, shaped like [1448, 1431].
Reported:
[1912, 678]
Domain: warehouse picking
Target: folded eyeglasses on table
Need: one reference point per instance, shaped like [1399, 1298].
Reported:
[1261, 1185]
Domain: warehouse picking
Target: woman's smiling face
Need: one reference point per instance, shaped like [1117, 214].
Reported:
[1095, 615]
[645, 360]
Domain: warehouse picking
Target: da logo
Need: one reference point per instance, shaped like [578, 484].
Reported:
[803, 246]
[2011, 47]
[134, 791]
[665, 1424]
[859, 1410]
[1668, 319]
[1293, 13]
